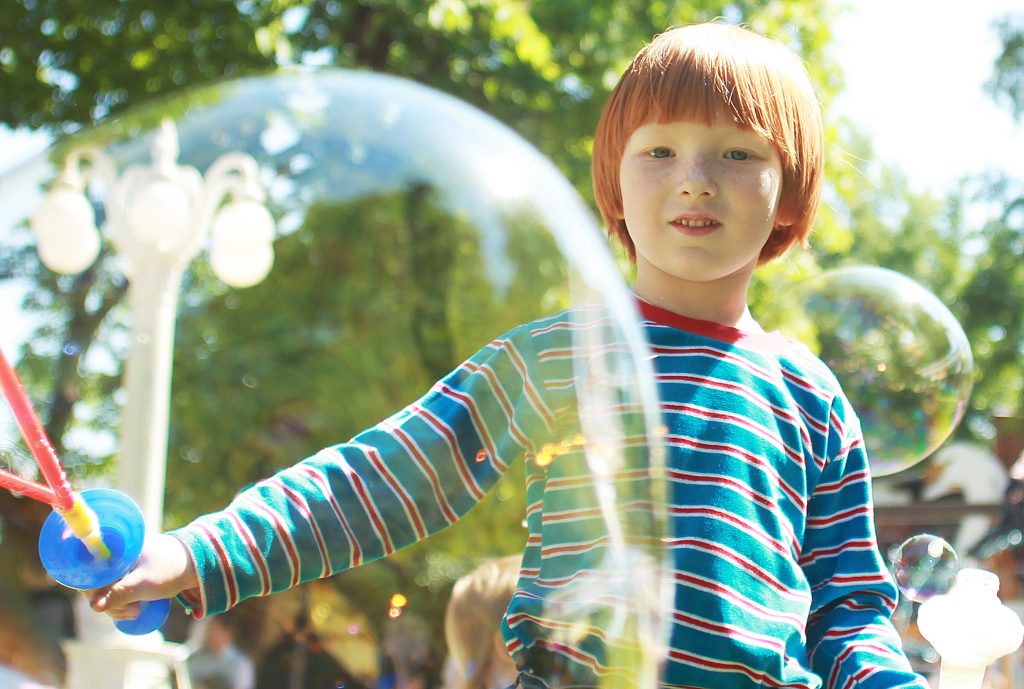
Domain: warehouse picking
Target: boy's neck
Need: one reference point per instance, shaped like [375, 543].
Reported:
[703, 301]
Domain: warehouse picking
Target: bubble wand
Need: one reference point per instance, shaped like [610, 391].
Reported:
[80, 518]
[92, 538]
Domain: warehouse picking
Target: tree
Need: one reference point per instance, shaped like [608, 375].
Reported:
[1007, 82]
[991, 298]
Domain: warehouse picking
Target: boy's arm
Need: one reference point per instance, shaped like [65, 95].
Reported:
[397, 483]
[851, 641]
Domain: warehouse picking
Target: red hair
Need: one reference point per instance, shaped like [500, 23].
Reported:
[694, 73]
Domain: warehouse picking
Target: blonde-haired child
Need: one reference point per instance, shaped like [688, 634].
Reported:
[472, 625]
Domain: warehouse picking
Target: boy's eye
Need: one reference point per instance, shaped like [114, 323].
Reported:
[660, 152]
[737, 154]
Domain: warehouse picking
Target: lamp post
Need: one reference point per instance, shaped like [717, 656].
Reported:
[158, 217]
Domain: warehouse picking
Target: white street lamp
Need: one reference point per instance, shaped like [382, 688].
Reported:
[159, 216]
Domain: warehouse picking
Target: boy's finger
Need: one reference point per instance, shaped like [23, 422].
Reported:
[127, 612]
[120, 595]
[117, 595]
[98, 598]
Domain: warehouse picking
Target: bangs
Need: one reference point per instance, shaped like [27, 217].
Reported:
[681, 80]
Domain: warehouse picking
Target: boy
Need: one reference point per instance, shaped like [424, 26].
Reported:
[707, 162]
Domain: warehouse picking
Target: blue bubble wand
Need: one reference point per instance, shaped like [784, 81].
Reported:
[92, 538]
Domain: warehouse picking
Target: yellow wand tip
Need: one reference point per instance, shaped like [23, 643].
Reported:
[83, 523]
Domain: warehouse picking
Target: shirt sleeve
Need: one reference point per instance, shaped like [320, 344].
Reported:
[392, 485]
[851, 641]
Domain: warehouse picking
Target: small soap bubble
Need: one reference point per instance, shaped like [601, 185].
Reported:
[924, 566]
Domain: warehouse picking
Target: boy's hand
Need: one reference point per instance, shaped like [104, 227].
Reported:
[164, 570]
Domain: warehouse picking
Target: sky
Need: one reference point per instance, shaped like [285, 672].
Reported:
[914, 73]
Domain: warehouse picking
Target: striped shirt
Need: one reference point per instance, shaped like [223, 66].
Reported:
[777, 579]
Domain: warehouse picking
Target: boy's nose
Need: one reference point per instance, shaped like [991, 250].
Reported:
[696, 180]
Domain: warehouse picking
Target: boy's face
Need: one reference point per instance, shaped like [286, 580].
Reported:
[699, 201]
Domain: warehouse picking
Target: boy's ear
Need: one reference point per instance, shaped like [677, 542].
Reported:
[786, 217]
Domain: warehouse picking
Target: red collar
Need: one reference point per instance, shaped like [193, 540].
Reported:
[716, 331]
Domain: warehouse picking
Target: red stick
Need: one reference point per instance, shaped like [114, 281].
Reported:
[27, 488]
[35, 437]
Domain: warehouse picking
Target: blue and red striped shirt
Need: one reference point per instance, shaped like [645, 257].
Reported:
[775, 575]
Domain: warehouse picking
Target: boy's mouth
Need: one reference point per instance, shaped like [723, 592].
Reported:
[696, 225]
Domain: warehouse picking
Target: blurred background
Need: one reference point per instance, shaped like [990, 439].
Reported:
[924, 103]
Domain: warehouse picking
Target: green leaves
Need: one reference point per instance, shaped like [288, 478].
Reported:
[1007, 82]
[67, 63]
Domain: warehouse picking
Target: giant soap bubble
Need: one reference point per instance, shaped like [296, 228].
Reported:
[412, 230]
[901, 356]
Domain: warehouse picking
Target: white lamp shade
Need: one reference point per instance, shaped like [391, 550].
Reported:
[159, 214]
[65, 230]
[71, 254]
[242, 266]
[242, 223]
[63, 212]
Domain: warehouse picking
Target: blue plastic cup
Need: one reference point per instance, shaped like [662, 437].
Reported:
[123, 531]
